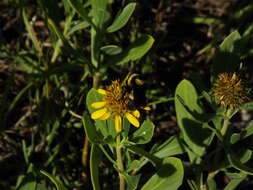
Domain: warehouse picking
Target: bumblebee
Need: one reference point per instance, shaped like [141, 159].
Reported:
[134, 86]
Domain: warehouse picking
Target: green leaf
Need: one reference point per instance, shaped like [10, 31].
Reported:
[66, 45]
[27, 182]
[211, 184]
[201, 20]
[90, 130]
[122, 19]
[235, 138]
[248, 106]
[171, 147]
[31, 33]
[100, 17]
[227, 58]
[133, 165]
[79, 8]
[248, 131]
[28, 186]
[111, 49]
[144, 134]
[153, 159]
[94, 96]
[229, 43]
[105, 127]
[96, 39]
[95, 159]
[57, 182]
[42, 187]
[30, 181]
[78, 26]
[243, 12]
[235, 182]
[99, 13]
[135, 51]
[168, 177]
[58, 44]
[188, 108]
[245, 155]
[18, 98]
[132, 181]
[236, 163]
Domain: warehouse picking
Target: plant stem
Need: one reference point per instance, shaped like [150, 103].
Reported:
[120, 164]
[85, 153]
[226, 122]
[107, 155]
[223, 131]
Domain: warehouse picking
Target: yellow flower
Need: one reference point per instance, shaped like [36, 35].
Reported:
[229, 91]
[115, 105]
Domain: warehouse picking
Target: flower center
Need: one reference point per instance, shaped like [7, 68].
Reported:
[116, 98]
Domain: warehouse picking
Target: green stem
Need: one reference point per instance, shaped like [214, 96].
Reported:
[224, 128]
[223, 131]
[120, 164]
[107, 155]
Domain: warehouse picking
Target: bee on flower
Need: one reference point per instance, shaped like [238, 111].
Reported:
[229, 91]
[119, 101]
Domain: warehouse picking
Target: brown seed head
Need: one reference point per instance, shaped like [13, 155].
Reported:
[229, 91]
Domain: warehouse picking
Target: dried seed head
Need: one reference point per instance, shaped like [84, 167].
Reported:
[229, 91]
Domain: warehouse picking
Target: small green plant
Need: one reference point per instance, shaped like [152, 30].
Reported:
[101, 126]
[112, 128]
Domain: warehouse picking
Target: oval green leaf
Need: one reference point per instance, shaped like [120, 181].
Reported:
[135, 51]
[122, 19]
[94, 96]
[235, 182]
[168, 177]
[171, 147]
[236, 163]
[90, 130]
[144, 134]
[79, 26]
[111, 49]
[95, 159]
[188, 110]
[227, 58]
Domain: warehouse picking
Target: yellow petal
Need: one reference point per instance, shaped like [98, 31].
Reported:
[98, 104]
[118, 123]
[101, 91]
[132, 120]
[98, 114]
[147, 108]
[105, 116]
[139, 82]
[136, 113]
